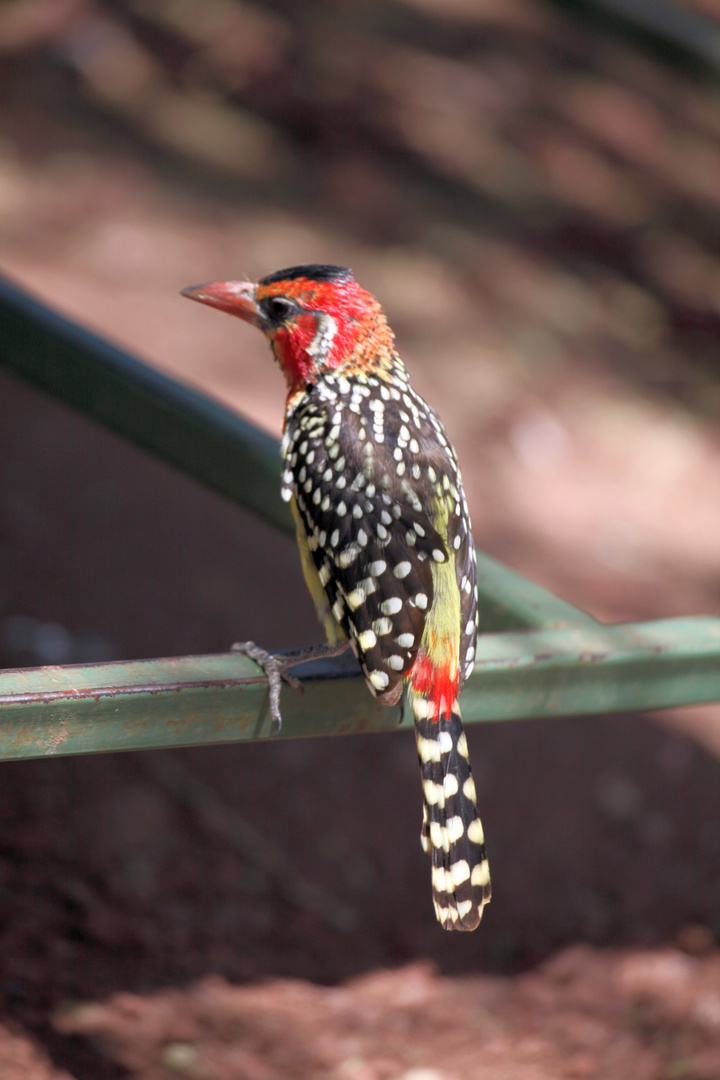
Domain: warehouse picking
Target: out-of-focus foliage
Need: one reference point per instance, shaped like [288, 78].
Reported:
[534, 196]
[572, 179]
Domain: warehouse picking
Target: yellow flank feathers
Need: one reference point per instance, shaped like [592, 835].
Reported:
[333, 631]
[441, 637]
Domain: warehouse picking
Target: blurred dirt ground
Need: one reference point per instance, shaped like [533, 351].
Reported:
[535, 200]
[585, 1013]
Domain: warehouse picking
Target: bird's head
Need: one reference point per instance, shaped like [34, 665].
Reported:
[315, 317]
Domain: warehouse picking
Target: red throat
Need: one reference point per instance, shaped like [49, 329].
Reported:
[342, 311]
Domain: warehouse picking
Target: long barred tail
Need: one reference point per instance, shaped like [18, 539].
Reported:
[452, 833]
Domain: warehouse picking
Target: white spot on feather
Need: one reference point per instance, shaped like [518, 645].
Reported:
[391, 606]
[459, 871]
[475, 832]
[379, 679]
[480, 873]
[455, 828]
[445, 741]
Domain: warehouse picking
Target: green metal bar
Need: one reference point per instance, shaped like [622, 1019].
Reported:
[203, 438]
[589, 670]
[508, 601]
[668, 28]
[46, 712]
[184, 428]
[183, 701]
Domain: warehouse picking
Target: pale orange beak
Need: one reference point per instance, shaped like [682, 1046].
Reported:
[234, 297]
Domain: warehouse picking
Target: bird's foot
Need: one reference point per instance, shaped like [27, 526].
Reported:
[276, 665]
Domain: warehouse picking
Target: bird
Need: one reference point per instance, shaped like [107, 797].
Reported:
[384, 534]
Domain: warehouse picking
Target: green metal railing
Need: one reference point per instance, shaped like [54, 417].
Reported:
[537, 655]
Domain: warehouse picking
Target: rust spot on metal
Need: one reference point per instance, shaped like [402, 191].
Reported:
[99, 693]
[24, 737]
[57, 737]
[499, 662]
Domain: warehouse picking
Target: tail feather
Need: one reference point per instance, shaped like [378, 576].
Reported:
[451, 833]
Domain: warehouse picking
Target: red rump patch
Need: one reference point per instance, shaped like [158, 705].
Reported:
[438, 685]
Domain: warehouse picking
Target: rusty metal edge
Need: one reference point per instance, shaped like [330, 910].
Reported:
[522, 675]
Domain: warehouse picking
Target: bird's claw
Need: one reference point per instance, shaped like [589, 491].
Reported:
[274, 667]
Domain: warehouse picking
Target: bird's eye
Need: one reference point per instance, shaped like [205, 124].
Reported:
[278, 309]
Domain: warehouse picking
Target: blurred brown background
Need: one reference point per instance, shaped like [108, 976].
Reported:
[533, 191]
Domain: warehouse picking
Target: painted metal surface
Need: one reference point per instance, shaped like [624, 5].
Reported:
[180, 701]
[508, 601]
[208, 699]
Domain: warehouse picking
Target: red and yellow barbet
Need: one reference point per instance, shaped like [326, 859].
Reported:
[384, 535]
